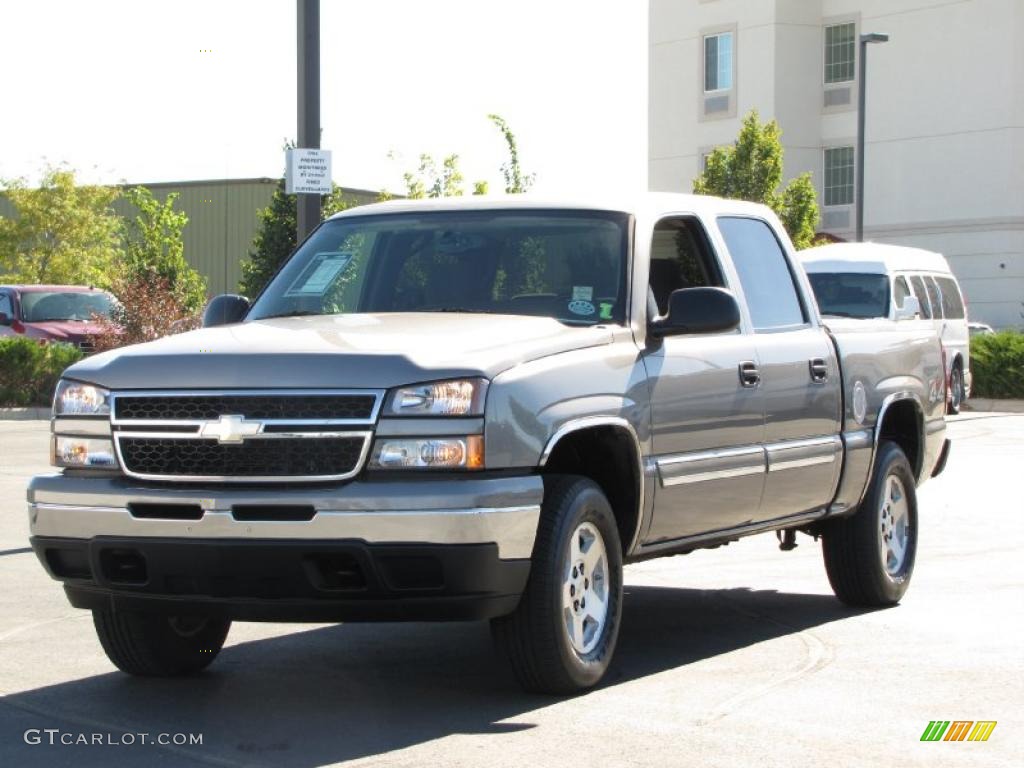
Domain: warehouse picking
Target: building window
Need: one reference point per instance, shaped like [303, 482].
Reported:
[718, 62]
[840, 52]
[839, 176]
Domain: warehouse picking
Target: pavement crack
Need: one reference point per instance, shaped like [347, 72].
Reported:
[817, 655]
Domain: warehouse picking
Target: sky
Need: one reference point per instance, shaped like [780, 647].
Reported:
[146, 92]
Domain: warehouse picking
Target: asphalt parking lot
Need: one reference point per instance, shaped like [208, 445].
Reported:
[731, 657]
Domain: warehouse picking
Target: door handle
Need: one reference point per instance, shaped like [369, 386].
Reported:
[819, 370]
[749, 375]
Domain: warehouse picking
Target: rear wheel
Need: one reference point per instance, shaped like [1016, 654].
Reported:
[562, 636]
[155, 645]
[956, 389]
[869, 556]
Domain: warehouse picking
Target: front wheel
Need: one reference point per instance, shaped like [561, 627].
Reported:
[561, 637]
[869, 556]
[155, 645]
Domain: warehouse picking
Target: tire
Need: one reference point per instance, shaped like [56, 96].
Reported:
[555, 643]
[956, 389]
[157, 645]
[853, 546]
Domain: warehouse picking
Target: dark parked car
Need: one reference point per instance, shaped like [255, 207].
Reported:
[53, 312]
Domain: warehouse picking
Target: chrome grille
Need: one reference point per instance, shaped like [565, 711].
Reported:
[244, 435]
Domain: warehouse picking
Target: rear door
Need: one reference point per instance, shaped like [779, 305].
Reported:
[799, 373]
[707, 418]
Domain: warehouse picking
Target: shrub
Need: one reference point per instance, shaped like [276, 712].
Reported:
[148, 309]
[997, 365]
[29, 370]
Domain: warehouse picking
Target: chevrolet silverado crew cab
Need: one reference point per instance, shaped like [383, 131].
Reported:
[481, 409]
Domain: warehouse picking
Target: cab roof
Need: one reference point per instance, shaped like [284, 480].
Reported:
[647, 204]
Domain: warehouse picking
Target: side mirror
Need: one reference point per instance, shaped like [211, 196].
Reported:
[697, 310]
[6, 319]
[911, 308]
[225, 309]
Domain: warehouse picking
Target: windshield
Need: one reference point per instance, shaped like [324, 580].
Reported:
[851, 294]
[569, 265]
[40, 306]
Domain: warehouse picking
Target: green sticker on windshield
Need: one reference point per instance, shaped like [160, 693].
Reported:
[606, 310]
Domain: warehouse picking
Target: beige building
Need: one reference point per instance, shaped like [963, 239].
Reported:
[945, 117]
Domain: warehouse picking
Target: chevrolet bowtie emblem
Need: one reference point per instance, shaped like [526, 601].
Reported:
[230, 429]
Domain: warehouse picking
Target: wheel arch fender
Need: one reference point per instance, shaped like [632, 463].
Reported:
[571, 445]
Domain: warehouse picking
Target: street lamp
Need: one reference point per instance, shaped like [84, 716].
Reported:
[872, 37]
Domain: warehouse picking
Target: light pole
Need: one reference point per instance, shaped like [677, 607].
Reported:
[308, 205]
[872, 37]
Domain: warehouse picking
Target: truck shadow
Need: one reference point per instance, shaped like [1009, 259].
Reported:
[342, 692]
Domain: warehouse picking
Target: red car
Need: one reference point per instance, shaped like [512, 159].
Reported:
[53, 312]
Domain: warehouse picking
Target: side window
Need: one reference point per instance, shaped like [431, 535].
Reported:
[933, 296]
[900, 291]
[681, 257]
[5, 305]
[764, 272]
[952, 303]
[922, 295]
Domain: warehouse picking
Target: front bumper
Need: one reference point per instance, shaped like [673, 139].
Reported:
[450, 547]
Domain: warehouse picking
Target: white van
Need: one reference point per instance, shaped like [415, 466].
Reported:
[873, 280]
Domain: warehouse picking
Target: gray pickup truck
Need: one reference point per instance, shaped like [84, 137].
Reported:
[482, 409]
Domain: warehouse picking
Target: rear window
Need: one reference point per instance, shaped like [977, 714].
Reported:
[851, 294]
[952, 303]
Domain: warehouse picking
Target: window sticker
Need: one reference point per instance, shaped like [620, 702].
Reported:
[582, 293]
[606, 310]
[580, 307]
[320, 273]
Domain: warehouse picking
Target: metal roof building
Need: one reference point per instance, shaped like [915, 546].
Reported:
[223, 215]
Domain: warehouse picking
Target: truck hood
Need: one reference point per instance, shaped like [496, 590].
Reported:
[373, 351]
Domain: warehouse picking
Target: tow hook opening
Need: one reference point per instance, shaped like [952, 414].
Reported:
[335, 571]
[123, 566]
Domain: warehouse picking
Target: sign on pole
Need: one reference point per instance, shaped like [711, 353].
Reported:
[307, 171]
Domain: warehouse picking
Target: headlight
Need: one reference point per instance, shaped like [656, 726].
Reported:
[76, 399]
[78, 452]
[456, 397]
[429, 453]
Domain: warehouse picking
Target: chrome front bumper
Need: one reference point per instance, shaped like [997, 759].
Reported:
[436, 510]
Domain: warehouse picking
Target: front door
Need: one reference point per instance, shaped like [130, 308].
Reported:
[706, 405]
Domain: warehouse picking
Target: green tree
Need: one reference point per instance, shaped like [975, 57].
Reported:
[275, 236]
[427, 181]
[516, 181]
[154, 247]
[61, 232]
[751, 169]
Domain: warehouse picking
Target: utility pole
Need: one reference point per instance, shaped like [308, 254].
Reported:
[308, 205]
[874, 37]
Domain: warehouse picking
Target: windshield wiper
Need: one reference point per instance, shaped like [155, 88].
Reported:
[293, 313]
[457, 309]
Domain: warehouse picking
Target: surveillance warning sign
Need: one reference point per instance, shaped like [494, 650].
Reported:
[308, 171]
